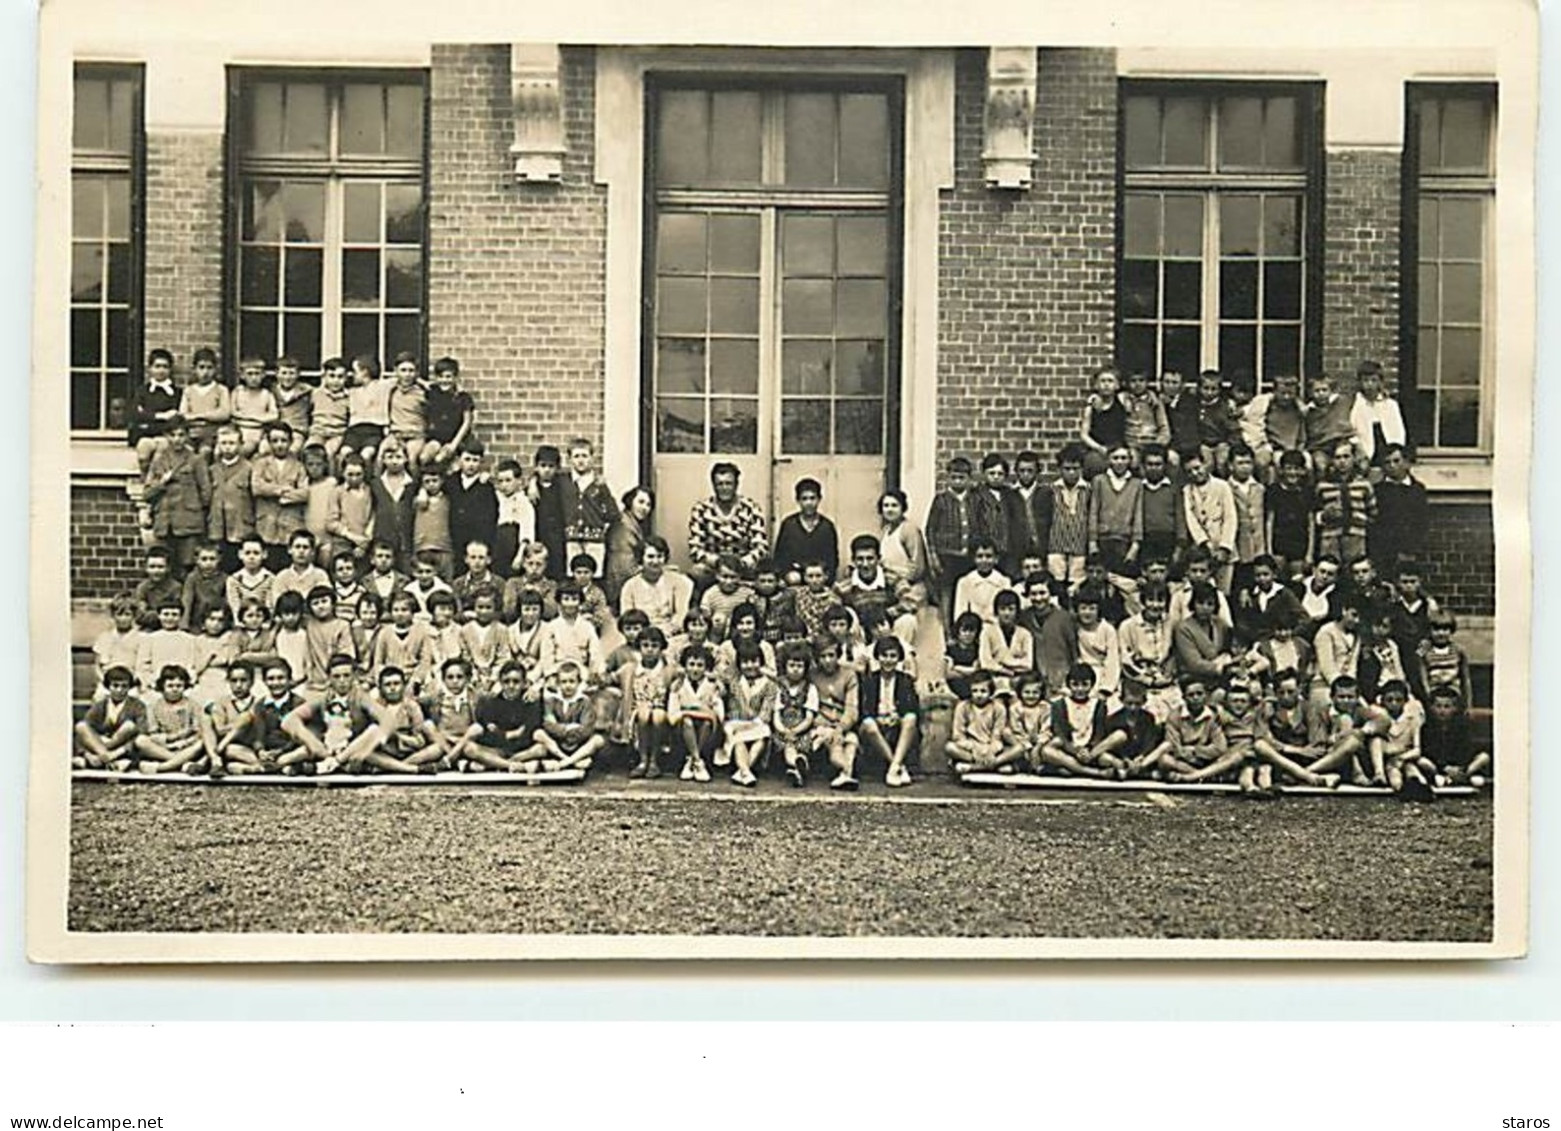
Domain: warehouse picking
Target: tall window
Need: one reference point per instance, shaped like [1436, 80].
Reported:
[106, 245]
[773, 271]
[330, 180]
[1219, 207]
[1450, 189]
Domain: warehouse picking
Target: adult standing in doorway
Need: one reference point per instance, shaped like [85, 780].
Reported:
[626, 538]
[725, 523]
[902, 548]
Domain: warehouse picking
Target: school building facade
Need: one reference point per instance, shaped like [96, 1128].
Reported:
[852, 264]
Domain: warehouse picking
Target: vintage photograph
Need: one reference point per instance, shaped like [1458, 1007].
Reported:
[1024, 492]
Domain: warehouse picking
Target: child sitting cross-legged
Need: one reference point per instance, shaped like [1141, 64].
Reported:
[1194, 735]
[171, 740]
[1287, 736]
[1446, 744]
[1401, 743]
[889, 708]
[507, 720]
[1239, 724]
[228, 728]
[1029, 721]
[1078, 726]
[977, 740]
[750, 708]
[343, 726]
[451, 709]
[695, 710]
[568, 737]
[796, 710]
[105, 737]
[834, 734]
[1132, 731]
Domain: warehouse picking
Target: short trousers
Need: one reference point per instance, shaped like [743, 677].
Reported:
[318, 435]
[251, 435]
[363, 435]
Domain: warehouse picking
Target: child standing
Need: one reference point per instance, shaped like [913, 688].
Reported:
[431, 524]
[281, 489]
[349, 517]
[473, 501]
[646, 682]
[951, 528]
[1181, 414]
[1289, 509]
[157, 586]
[178, 488]
[806, 536]
[1103, 424]
[1053, 629]
[231, 516]
[1346, 505]
[516, 526]
[1248, 495]
[1442, 662]
[1164, 512]
[1211, 517]
[394, 495]
[587, 503]
[205, 587]
[293, 401]
[206, 404]
[368, 408]
[317, 507]
[547, 498]
[1116, 512]
[1069, 539]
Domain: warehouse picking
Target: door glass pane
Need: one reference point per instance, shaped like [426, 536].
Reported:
[734, 306]
[304, 204]
[304, 267]
[1141, 225]
[304, 121]
[86, 272]
[863, 245]
[734, 136]
[810, 139]
[680, 424]
[1241, 132]
[805, 427]
[864, 140]
[805, 367]
[404, 129]
[1461, 292]
[859, 427]
[260, 274]
[117, 339]
[404, 277]
[1238, 288]
[859, 368]
[863, 308]
[734, 425]
[680, 365]
[1183, 289]
[1239, 224]
[1141, 127]
[1186, 126]
[682, 137]
[360, 213]
[1282, 290]
[1281, 226]
[808, 306]
[360, 278]
[808, 245]
[1430, 299]
[1184, 226]
[1427, 357]
[734, 366]
[404, 213]
[680, 306]
[363, 119]
[734, 243]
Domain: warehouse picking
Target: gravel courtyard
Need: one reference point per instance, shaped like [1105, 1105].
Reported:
[606, 859]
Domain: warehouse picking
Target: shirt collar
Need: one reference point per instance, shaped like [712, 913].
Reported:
[155, 385]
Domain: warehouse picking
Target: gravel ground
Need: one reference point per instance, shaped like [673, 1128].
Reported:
[395, 859]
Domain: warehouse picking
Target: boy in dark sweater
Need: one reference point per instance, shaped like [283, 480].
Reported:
[547, 497]
[1164, 514]
[1289, 504]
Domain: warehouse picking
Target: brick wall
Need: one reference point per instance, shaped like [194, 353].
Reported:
[1460, 557]
[105, 544]
[1027, 282]
[517, 272]
[183, 242]
[1360, 261]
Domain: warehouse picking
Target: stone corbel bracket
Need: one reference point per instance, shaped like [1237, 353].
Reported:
[1008, 152]
[536, 99]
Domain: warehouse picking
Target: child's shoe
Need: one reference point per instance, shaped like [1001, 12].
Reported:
[701, 771]
[687, 773]
[641, 769]
[329, 766]
[653, 768]
[1478, 781]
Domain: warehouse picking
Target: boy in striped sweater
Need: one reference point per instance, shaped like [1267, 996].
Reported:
[1069, 540]
[1346, 505]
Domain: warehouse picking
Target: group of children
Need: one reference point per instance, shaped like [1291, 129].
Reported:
[337, 582]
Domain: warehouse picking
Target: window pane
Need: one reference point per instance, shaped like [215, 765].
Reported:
[808, 245]
[734, 306]
[859, 427]
[360, 335]
[859, 368]
[805, 427]
[116, 190]
[1430, 134]
[1282, 290]
[808, 306]
[1461, 285]
[89, 114]
[360, 213]
[1138, 349]
[1429, 297]
[1182, 349]
[734, 426]
[1465, 135]
[265, 117]
[119, 272]
[1463, 228]
[86, 272]
[404, 214]
[1281, 229]
[805, 367]
[360, 278]
[1184, 226]
[1239, 224]
[404, 278]
[86, 196]
[260, 273]
[1241, 132]
[1183, 290]
[1458, 422]
[1281, 140]
[1281, 350]
[1238, 288]
[734, 366]
[304, 118]
[680, 424]
[1141, 225]
[1430, 233]
[301, 339]
[262, 221]
[1461, 357]
[86, 337]
[1142, 130]
[1427, 358]
[304, 204]
[403, 332]
[1238, 351]
[405, 130]
[1140, 288]
[734, 243]
[363, 119]
[810, 139]
[680, 306]
[680, 365]
[680, 243]
[86, 393]
[682, 137]
[118, 340]
[863, 245]
[257, 335]
[863, 308]
[734, 136]
[304, 271]
[117, 389]
[864, 140]
[1186, 132]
